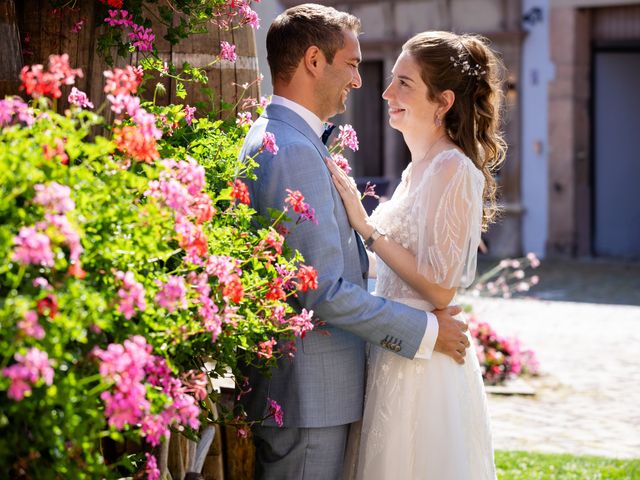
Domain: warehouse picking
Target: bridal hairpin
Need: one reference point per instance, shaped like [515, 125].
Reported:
[465, 67]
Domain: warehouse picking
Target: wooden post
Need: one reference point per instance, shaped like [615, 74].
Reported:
[11, 51]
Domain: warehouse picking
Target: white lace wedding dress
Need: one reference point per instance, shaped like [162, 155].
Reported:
[427, 419]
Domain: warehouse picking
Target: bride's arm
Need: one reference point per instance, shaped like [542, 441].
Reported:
[398, 258]
[404, 264]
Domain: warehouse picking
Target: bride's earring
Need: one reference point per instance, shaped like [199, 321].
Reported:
[437, 121]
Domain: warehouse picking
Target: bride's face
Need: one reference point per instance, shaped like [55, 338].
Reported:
[409, 107]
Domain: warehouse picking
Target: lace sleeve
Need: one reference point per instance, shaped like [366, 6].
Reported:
[448, 210]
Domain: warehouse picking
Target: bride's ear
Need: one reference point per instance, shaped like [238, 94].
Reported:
[446, 101]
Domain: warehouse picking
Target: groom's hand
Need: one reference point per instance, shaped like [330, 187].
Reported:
[451, 339]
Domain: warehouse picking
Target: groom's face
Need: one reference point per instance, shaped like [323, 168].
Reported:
[340, 76]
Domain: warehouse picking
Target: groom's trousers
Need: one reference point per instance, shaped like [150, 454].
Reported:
[300, 453]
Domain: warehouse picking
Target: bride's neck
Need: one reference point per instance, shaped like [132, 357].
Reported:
[421, 145]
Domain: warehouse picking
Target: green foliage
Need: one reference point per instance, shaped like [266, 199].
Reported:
[540, 466]
[57, 430]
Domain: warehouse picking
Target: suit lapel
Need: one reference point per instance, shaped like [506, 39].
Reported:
[291, 118]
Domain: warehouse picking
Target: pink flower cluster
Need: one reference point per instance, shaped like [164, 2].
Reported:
[14, 107]
[123, 80]
[141, 38]
[508, 277]
[275, 411]
[181, 187]
[33, 245]
[228, 11]
[30, 326]
[302, 323]
[228, 52]
[37, 82]
[172, 294]
[189, 113]
[33, 248]
[27, 372]
[269, 143]
[70, 236]
[347, 137]
[244, 118]
[151, 468]
[131, 294]
[79, 98]
[133, 369]
[55, 198]
[296, 200]
[342, 162]
[500, 358]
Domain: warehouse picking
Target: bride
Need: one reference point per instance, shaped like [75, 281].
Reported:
[427, 419]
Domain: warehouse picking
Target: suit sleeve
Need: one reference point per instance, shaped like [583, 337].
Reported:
[336, 301]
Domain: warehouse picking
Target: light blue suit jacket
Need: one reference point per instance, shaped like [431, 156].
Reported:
[323, 385]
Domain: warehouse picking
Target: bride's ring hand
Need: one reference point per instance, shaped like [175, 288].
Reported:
[348, 190]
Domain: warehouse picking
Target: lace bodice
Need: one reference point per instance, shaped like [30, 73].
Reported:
[438, 218]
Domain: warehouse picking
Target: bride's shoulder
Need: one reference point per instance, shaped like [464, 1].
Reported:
[450, 161]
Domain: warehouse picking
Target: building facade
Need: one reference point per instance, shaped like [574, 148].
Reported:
[568, 185]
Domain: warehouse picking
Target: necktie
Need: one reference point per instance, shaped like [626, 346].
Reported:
[328, 128]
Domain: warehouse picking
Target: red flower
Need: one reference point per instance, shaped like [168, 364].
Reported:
[113, 3]
[75, 270]
[308, 277]
[48, 306]
[240, 192]
[51, 152]
[276, 292]
[266, 348]
[131, 141]
[234, 289]
[296, 200]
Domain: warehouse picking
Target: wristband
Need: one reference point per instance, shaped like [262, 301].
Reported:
[375, 235]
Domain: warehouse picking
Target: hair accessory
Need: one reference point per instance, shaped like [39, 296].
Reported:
[465, 67]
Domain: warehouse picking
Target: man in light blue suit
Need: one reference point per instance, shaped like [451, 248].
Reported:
[313, 53]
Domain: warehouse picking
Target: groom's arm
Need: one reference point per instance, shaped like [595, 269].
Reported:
[336, 300]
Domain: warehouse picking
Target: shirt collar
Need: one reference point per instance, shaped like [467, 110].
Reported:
[311, 118]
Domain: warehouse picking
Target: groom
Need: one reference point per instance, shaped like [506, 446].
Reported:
[313, 53]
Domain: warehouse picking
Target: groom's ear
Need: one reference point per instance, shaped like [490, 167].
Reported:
[314, 60]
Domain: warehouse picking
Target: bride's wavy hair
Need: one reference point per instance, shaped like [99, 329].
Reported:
[466, 65]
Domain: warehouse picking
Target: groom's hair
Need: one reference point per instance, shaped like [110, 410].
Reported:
[300, 27]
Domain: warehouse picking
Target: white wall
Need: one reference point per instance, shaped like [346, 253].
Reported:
[537, 71]
[268, 10]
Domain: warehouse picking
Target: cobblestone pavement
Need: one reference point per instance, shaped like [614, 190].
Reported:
[588, 395]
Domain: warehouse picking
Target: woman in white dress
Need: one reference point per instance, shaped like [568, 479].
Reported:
[427, 419]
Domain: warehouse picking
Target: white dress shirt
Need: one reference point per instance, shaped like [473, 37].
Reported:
[431, 334]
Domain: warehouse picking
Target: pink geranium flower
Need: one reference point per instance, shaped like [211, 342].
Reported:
[188, 114]
[244, 118]
[269, 143]
[79, 98]
[54, 197]
[342, 162]
[172, 294]
[30, 326]
[250, 17]
[28, 370]
[131, 294]
[301, 324]
[275, 410]
[228, 52]
[348, 138]
[33, 248]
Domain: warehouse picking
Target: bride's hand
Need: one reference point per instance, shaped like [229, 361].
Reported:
[348, 190]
